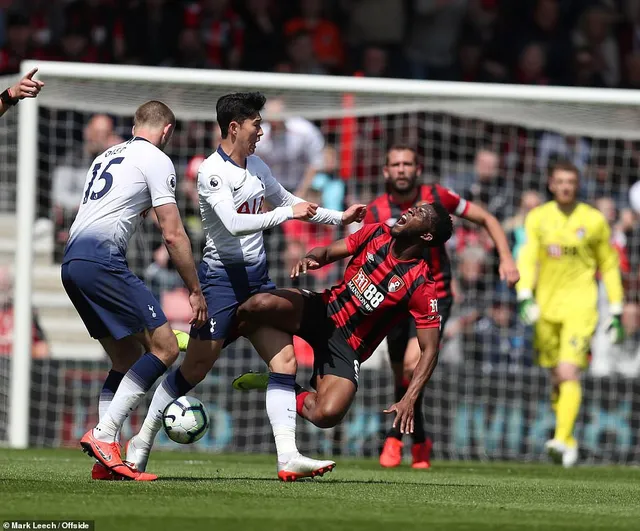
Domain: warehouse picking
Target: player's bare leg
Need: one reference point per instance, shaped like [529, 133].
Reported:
[563, 447]
[161, 351]
[200, 357]
[421, 448]
[328, 405]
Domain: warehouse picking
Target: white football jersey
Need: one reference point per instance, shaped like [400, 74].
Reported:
[121, 186]
[221, 179]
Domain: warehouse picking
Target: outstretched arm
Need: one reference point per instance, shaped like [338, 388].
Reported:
[321, 256]
[508, 268]
[279, 197]
[428, 339]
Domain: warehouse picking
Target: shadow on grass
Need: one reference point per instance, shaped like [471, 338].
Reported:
[320, 481]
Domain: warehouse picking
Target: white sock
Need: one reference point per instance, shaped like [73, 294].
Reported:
[131, 390]
[281, 409]
[153, 421]
[172, 387]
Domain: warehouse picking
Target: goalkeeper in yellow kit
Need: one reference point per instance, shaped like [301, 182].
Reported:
[566, 243]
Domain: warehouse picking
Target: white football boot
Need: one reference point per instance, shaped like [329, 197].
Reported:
[303, 467]
[570, 455]
[555, 449]
[137, 454]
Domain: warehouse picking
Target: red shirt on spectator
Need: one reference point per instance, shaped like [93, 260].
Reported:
[327, 43]
[223, 36]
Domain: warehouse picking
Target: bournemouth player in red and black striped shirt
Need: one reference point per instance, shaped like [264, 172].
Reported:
[386, 281]
[401, 172]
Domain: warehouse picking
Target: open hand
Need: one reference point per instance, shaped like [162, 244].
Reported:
[404, 415]
[198, 309]
[303, 265]
[509, 271]
[354, 214]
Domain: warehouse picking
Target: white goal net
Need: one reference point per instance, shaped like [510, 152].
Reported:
[491, 144]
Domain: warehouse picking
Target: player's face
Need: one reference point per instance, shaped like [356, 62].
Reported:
[401, 171]
[418, 221]
[564, 186]
[248, 133]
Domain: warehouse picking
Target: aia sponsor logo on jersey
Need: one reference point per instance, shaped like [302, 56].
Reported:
[395, 284]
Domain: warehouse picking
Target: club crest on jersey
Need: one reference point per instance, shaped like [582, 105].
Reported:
[370, 257]
[581, 232]
[395, 284]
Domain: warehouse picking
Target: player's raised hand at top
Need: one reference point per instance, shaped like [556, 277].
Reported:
[304, 211]
[198, 309]
[509, 271]
[27, 87]
[404, 415]
[354, 214]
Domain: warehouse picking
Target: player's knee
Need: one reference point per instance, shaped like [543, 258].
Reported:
[285, 362]
[566, 372]
[259, 303]
[328, 414]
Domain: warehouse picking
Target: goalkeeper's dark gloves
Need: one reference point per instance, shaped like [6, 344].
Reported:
[527, 308]
[615, 330]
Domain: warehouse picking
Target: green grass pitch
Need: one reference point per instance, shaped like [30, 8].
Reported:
[236, 491]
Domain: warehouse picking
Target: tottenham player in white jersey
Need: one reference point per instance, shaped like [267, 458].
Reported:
[122, 186]
[233, 185]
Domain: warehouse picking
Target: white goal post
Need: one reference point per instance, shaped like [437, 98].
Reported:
[118, 90]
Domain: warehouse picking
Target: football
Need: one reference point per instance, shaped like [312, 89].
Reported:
[185, 420]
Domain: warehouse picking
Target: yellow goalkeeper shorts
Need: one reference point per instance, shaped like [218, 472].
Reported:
[568, 341]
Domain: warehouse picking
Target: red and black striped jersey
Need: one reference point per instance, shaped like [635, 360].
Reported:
[384, 210]
[379, 291]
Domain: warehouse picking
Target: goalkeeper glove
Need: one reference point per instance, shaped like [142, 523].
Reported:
[527, 308]
[615, 331]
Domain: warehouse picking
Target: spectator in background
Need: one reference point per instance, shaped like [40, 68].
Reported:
[95, 20]
[472, 277]
[328, 183]
[291, 146]
[221, 29]
[150, 28]
[76, 46]
[190, 52]
[379, 23]
[39, 347]
[514, 226]
[532, 65]
[498, 340]
[594, 33]
[553, 147]
[375, 62]
[485, 186]
[263, 36]
[433, 37]
[585, 72]
[18, 46]
[598, 182]
[327, 42]
[632, 71]
[301, 58]
[70, 175]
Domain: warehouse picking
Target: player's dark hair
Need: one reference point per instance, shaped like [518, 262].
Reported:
[154, 114]
[401, 147]
[564, 165]
[237, 107]
[444, 225]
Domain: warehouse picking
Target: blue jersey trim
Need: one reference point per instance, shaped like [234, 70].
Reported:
[227, 158]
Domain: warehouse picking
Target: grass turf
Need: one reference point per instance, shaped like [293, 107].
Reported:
[226, 492]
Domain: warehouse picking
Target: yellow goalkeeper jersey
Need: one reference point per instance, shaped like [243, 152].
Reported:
[560, 258]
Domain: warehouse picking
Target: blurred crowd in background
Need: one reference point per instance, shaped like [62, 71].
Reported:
[592, 43]
[501, 167]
